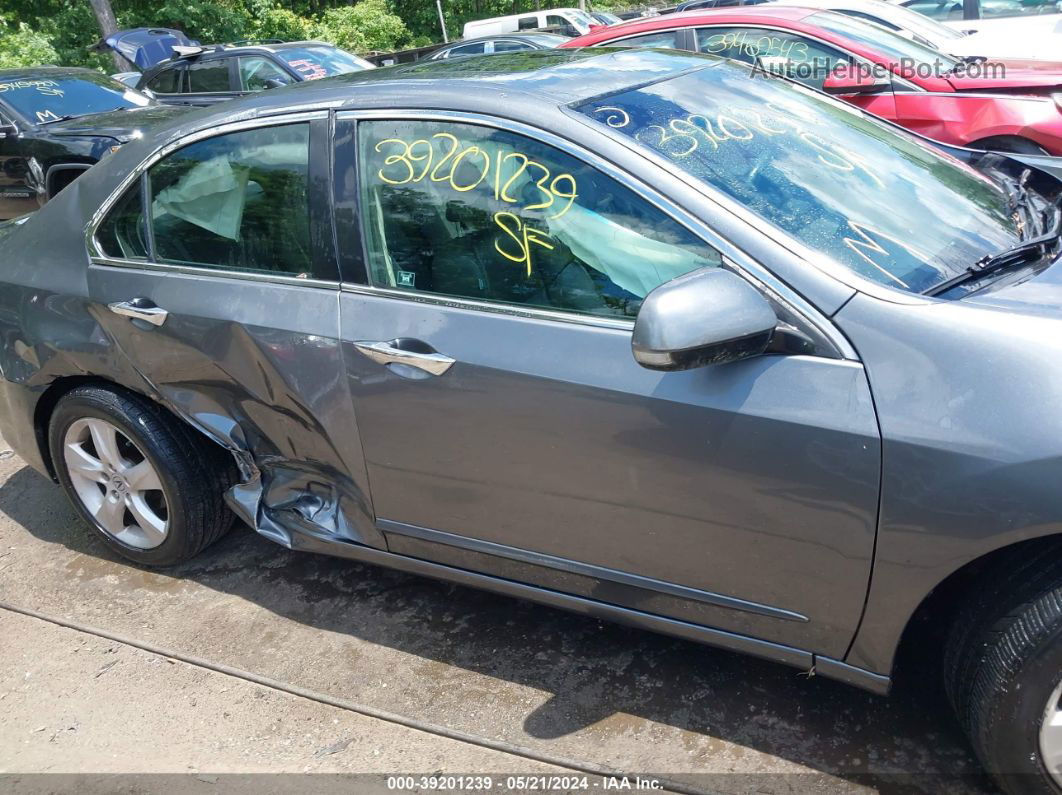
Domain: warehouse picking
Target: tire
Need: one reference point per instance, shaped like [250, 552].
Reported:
[1003, 668]
[170, 508]
[1013, 144]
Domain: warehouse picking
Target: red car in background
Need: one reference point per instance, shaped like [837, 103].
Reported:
[987, 104]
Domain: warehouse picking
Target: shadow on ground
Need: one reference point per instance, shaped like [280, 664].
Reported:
[592, 670]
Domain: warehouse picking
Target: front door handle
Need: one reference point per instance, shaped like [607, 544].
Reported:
[141, 309]
[390, 353]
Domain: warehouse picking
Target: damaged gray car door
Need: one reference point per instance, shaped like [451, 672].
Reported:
[508, 429]
[214, 272]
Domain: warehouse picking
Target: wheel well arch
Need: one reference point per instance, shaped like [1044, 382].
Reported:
[1017, 144]
[46, 403]
[61, 175]
[926, 632]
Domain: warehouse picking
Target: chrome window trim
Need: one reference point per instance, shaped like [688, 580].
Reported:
[217, 273]
[496, 308]
[98, 257]
[734, 257]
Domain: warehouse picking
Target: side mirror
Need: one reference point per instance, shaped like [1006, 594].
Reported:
[710, 316]
[274, 82]
[849, 81]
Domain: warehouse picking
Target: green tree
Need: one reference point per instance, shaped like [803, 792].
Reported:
[271, 22]
[369, 25]
[21, 45]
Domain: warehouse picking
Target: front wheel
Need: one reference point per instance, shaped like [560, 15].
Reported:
[1005, 678]
[148, 485]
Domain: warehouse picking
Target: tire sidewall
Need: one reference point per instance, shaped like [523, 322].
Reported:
[83, 406]
[1012, 739]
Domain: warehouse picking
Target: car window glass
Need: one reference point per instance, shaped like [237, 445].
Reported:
[50, 98]
[805, 60]
[479, 213]
[122, 233]
[167, 81]
[511, 46]
[238, 201]
[527, 23]
[667, 39]
[208, 76]
[258, 73]
[935, 10]
[468, 49]
[870, 18]
[828, 174]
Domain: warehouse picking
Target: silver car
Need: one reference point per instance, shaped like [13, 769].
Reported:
[639, 334]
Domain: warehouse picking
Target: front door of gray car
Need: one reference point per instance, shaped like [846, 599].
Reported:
[223, 297]
[508, 429]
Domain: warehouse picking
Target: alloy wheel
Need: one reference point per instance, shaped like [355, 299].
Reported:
[116, 483]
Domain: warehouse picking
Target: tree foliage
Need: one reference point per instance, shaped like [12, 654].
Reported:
[61, 31]
[369, 25]
[20, 45]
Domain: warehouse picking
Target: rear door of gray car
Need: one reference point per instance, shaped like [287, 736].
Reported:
[491, 279]
[226, 303]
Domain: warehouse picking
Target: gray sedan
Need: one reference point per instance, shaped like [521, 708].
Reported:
[624, 332]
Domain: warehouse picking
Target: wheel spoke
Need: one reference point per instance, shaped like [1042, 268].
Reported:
[105, 440]
[80, 462]
[111, 515]
[143, 477]
[1051, 742]
[152, 525]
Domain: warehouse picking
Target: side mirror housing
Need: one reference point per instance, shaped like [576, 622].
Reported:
[710, 316]
[847, 81]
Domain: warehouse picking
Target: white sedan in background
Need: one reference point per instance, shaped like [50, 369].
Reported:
[1038, 37]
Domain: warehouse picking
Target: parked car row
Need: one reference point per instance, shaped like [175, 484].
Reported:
[668, 336]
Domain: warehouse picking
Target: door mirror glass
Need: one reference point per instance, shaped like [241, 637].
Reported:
[710, 316]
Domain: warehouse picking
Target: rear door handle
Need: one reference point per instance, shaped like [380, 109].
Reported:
[142, 309]
[388, 353]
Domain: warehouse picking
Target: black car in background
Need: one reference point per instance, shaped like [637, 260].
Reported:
[217, 73]
[57, 122]
[487, 45]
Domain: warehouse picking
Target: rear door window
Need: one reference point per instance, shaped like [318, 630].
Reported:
[209, 77]
[468, 49]
[167, 81]
[511, 46]
[667, 39]
[806, 60]
[238, 201]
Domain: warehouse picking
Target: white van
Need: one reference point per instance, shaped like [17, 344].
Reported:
[568, 21]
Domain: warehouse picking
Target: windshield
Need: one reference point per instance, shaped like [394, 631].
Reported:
[581, 18]
[875, 199]
[901, 50]
[921, 25]
[48, 99]
[315, 61]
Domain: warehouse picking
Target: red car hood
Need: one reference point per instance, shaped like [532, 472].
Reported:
[1038, 77]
